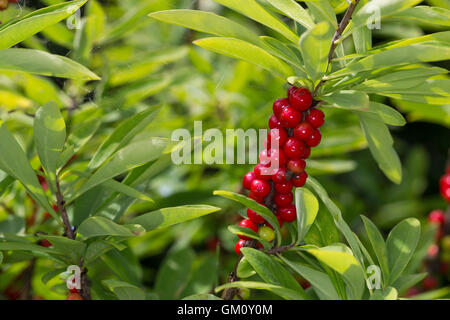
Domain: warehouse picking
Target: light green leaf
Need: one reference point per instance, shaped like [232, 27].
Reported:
[244, 269]
[43, 63]
[124, 290]
[239, 49]
[401, 244]
[248, 233]
[381, 145]
[17, 30]
[280, 50]
[389, 293]
[307, 207]
[317, 167]
[166, 217]
[293, 10]
[100, 226]
[425, 14]
[388, 114]
[347, 99]
[283, 292]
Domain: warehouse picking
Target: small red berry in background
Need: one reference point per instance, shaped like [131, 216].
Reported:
[247, 223]
[238, 246]
[45, 243]
[74, 296]
[444, 186]
[247, 180]
[437, 217]
[429, 283]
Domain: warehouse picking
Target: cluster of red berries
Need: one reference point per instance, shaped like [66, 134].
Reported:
[294, 130]
[444, 185]
[4, 4]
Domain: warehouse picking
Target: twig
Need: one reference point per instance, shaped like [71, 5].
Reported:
[28, 277]
[337, 35]
[62, 209]
[280, 249]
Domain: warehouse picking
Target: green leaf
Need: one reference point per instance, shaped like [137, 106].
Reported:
[340, 259]
[315, 45]
[256, 12]
[283, 292]
[293, 10]
[244, 269]
[17, 30]
[206, 22]
[389, 293]
[347, 99]
[98, 248]
[239, 49]
[167, 217]
[388, 114]
[381, 145]
[281, 50]
[100, 226]
[49, 136]
[124, 290]
[253, 205]
[425, 14]
[407, 281]
[307, 207]
[271, 271]
[43, 63]
[71, 248]
[14, 162]
[401, 244]
[249, 233]
[1, 257]
[316, 167]
[322, 11]
[378, 245]
[202, 296]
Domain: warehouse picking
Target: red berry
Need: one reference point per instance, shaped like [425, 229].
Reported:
[303, 131]
[272, 157]
[290, 117]
[288, 214]
[247, 180]
[283, 199]
[260, 200]
[278, 106]
[45, 243]
[446, 194]
[284, 187]
[294, 148]
[299, 180]
[238, 246]
[274, 122]
[300, 98]
[316, 118]
[260, 188]
[307, 152]
[314, 139]
[254, 217]
[444, 186]
[262, 172]
[75, 296]
[278, 135]
[280, 222]
[279, 176]
[296, 166]
[429, 283]
[246, 223]
[436, 216]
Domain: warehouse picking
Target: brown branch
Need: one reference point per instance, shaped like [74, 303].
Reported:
[337, 35]
[62, 209]
[280, 249]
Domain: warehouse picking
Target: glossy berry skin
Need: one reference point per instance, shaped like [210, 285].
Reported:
[266, 233]
[284, 187]
[283, 199]
[74, 296]
[296, 166]
[287, 214]
[300, 98]
[290, 117]
[444, 186]
[303, 131]
[260, 188]
[272, 157]
[254, 217]
[314, 139]
[247, 223]
[247, 180]
[294, 148]
[279, 176]
[262, 172]
[45, 243]
[256, 198]
[278, 106]
[238, 246]
[316, 118]
[277, 136]
[307, 153]
[299, 180]
[436, 216]
[274, 122]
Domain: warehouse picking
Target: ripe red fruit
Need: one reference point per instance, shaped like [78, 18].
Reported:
[296, 166]
[299, 180]
[238, 246]
[45, 243]
[272, 157]
[254, 217]
[75, 296]
[262, 172]
[278, 106]
[283, 199]
[246, 223]
[279, 176]
[429, 283]
[294, 148]
[307, 152]
[316, 118]
[284, 187]
[278, 135]
[314, 139]
[303, 131]
[260, 200]
[274, 122]
[300, 98]
[247, 180]
[260, 188]
[290, 117]
[436, 216]
[288, 214]
[444, 186]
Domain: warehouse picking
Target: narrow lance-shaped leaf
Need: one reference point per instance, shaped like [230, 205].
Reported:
[283, 292]
[294, 11]
[307, 207]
